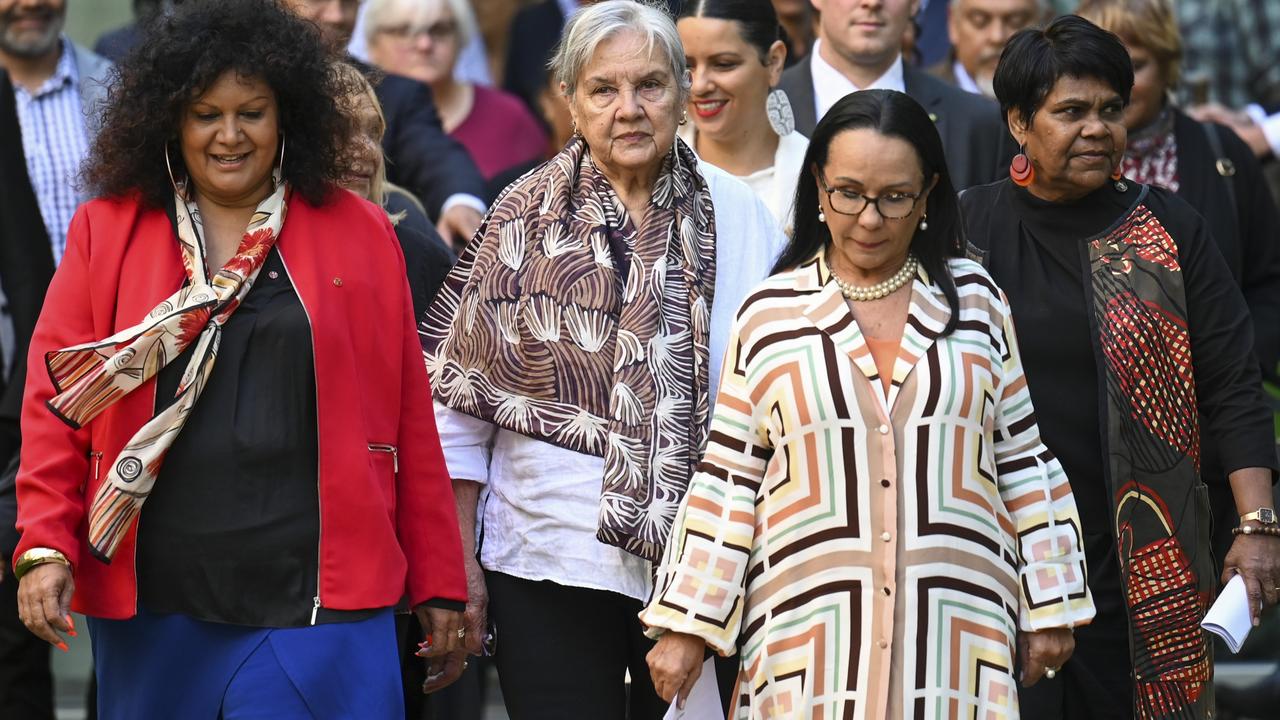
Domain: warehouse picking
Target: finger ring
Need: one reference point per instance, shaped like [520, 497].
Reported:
[1051, 673]
[462, 632]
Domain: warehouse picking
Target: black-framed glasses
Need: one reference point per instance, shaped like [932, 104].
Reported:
[891, 206]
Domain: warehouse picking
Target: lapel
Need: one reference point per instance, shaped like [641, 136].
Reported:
[797, 83]
[923, 88]
[927, 316]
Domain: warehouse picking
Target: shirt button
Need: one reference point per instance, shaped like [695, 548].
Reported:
[886, 536]
[884, 429]
[884, 482]
[884, 644]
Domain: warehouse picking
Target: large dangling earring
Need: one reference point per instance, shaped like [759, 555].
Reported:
[179, 188]
[1117, 176]
[777, 106]
[924, 222]
[278, 172]
[1021, 171]
[822, 217]
[684, 117]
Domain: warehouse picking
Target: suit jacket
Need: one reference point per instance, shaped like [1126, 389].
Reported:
[944, 70]
[420, 156]
[977, 143]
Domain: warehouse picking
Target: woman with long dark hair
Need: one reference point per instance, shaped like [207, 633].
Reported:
[875, 525]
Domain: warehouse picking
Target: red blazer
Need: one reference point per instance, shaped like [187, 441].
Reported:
[384, 531]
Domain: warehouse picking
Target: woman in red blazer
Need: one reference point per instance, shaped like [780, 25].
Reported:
[229, 344]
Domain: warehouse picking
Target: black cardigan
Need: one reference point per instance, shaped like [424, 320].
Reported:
[1245, 229]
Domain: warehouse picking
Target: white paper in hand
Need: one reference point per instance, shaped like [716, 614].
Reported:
[1229, 617]
[704, 698]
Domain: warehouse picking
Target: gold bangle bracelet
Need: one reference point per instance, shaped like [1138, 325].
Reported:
[37, 556]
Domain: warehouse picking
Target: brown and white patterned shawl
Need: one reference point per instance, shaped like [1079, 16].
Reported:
[536, 331]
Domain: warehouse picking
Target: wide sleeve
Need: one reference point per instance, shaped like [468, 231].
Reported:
[1053, 591]
[426, 514]
[700, 585]
[1228, 383]
[55, 461]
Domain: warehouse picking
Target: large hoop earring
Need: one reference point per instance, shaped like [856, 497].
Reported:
[180, 189]
[278, 172]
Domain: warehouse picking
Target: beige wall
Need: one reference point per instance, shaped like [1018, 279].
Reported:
[87, 19]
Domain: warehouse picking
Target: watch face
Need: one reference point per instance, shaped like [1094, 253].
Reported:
[1266, 516]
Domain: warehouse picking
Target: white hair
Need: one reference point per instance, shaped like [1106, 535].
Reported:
[382, 14]
[594, 24]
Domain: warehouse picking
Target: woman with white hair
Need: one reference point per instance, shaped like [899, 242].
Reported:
[423, 39]
[575, 349]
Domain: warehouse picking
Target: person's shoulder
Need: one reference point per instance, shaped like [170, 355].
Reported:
[1176, 214]
[340, 212]
[783, 295]
[735, 202]
[927, 89]
[90, 64]
[971, 278]
[497, 103]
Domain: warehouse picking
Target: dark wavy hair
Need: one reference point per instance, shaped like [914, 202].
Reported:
[1034, 59]
[894, 114]
[182, 56]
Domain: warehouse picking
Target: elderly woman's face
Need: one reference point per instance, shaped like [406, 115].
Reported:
[625, 105]
[230, 138]
[1075, 139]
[364, 148]
[1147, 98]
[417, 40]
[863, 164]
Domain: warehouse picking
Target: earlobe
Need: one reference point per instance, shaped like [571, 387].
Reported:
[1017, 127]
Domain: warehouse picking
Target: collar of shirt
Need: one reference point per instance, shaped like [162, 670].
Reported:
[963, 80]
[829, 84]
[64, 75]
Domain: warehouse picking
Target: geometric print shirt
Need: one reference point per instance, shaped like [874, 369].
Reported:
[55, 142]
[871, 553]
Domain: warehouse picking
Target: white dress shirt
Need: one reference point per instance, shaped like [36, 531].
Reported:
[538, 509]
[776, 184]
[963, 80]
[829, 84]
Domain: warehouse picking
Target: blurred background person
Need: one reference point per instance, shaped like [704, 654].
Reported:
[812, 535]
[115, 44]
[278, 536]
[26, 265]
[421, 39]
[53, 92]
[859, 47]
[420, 156]
[1136, 343]
[426, 257]
[978, 30]
[1214, 171]
[796, 18]
[742, 122]
[575, 349]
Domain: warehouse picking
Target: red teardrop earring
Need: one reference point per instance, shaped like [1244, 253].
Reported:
[1021, 171]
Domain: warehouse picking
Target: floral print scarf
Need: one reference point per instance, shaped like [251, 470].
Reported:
[543, 329]
[90, 377]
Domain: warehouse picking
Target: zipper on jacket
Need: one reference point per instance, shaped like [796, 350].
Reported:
[95, 457]
[386, 448]
[315, 608]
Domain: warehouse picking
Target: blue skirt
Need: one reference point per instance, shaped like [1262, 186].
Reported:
[174, 666]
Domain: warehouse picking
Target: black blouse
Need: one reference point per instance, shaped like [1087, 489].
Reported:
[231, 531]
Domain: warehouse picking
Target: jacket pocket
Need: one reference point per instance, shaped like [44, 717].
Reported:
[385, 460]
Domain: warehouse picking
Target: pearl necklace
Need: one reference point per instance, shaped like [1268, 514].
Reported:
[859, 293]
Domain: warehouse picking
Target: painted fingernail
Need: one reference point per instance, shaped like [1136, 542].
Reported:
[62, 645]
[71, 625]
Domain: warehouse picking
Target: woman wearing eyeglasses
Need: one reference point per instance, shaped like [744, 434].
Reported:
[422, 39]
[875, 525]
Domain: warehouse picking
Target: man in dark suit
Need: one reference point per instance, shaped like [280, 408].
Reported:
[859, 48]
[420, 156]
[979, 30]
[26, 266]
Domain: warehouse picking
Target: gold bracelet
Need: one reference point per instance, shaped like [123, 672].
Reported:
[1272, 530]
[37, 556]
